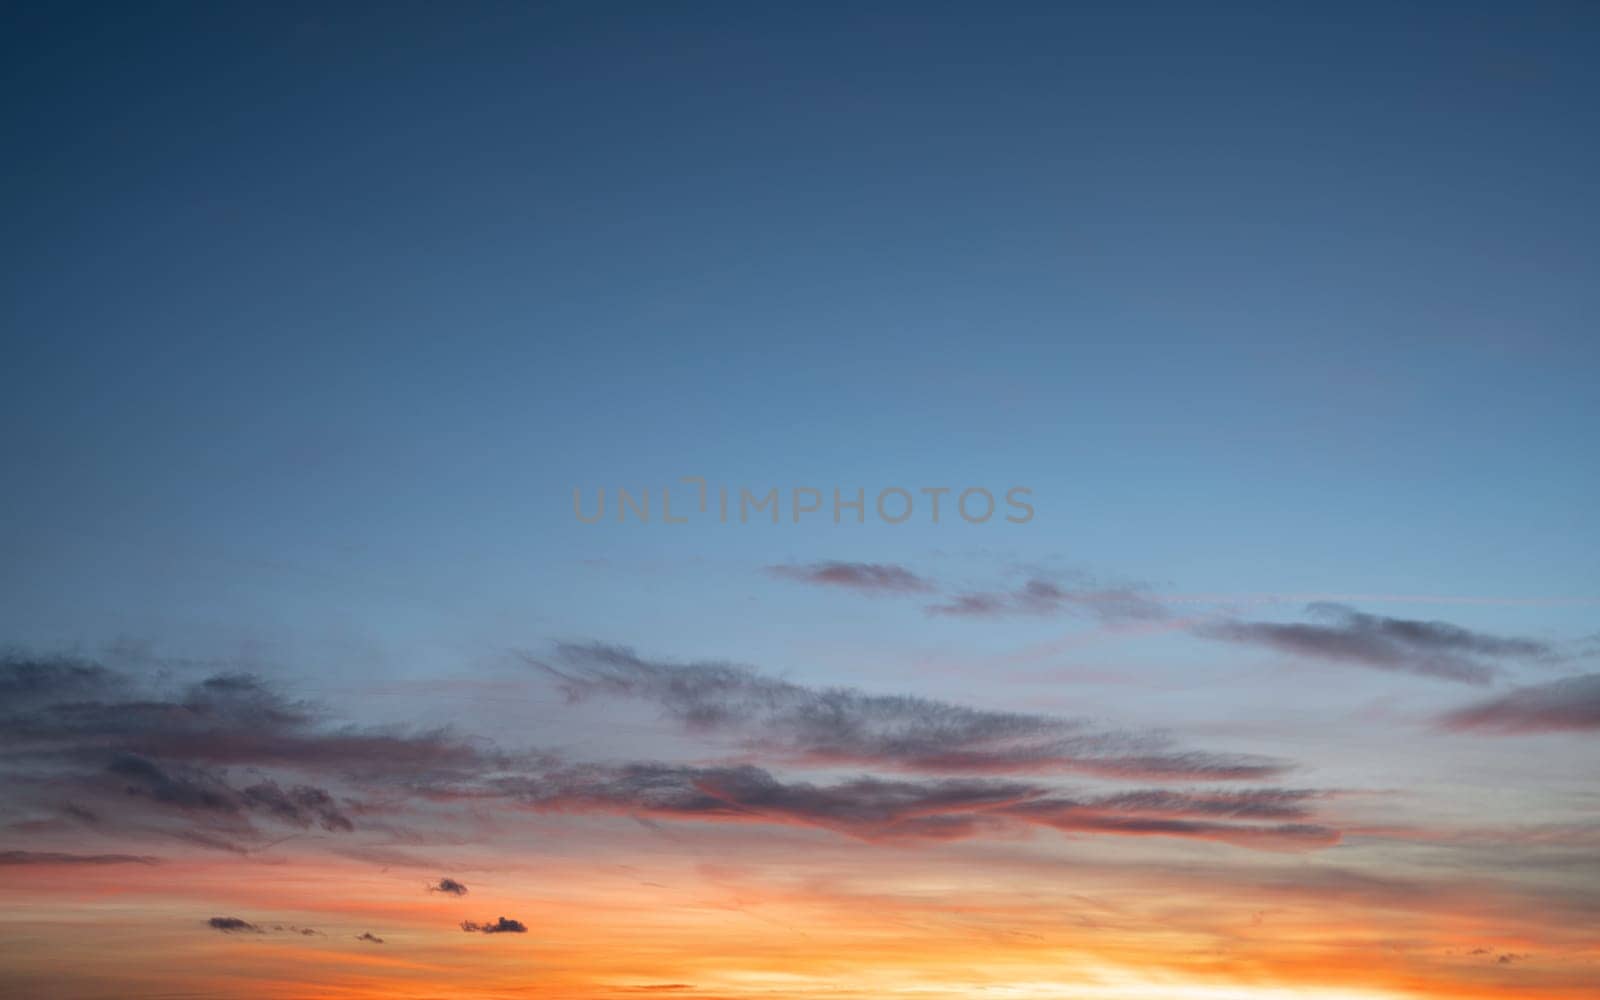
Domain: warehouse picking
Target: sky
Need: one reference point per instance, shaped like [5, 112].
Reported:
[1268, 331]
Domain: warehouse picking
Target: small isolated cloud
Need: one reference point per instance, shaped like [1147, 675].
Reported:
[1426, 648]
[1040, 598]
[448, 885]
[504, 925]
[233, 925]
[369, 937]
[1570, 704]
[872, 578]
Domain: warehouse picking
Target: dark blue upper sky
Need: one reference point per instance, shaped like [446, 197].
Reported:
[313, 306]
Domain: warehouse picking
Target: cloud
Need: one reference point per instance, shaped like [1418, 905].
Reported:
[867, 807]
[102, 747]
[1261, 803]
[233, 925]
[26, 682]
[847, 726]
[1043, 598]
[876, 578]
[449, 885]
[58, 858]
[1167, 814]
[197, 789]
[504, 925]
[236, 925]
[136, 755]
[301, 805]
[1426, 648]
[1037, 597]
[884, 810]
[369, 937]
[1570, 704]
[224, 719]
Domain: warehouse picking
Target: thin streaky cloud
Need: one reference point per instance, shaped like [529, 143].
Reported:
[883, 810]
[1040, 598]
[1571, 704]
[1323, 598]
[871, 578]
[1426, 648]
[845, 726]
[63, 858]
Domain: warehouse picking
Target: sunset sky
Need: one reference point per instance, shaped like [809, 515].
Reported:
[328, 326]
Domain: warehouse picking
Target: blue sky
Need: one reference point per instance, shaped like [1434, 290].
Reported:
[1287, 304]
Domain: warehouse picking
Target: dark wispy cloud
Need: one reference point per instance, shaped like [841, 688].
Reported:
[1569, 704]
[301, 805]
[369, 937]
[223, 719]
[503, 925]
[876, 578]
[26, 682]
[449, 886]
[883, 810]
[233, 925]
[238, 925]
[113, 753]
[60, 858]
[847, 726]
[198, 789]
[1256, 803]
[870, 808]
[1427, 648]
[1257, 818]
[1044, 598]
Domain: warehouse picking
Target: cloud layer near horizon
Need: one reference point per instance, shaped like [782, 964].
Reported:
[117, 759]
[103, 761]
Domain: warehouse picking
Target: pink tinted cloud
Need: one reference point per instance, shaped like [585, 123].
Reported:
[1571, 704]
